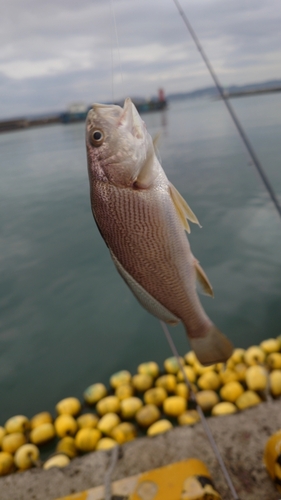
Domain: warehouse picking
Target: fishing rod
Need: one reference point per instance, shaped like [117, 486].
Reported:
[231, 111]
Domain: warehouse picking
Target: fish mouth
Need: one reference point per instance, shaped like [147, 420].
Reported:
[109, 112]
[127, 117]
[131, 120]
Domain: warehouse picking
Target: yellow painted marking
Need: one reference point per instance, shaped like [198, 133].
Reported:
[77, 496]
[165, 483]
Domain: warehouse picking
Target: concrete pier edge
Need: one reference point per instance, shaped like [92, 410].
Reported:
[241, 439]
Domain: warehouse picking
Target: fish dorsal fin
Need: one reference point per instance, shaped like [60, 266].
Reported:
[183, 210]
[203, 279]
[147, 301]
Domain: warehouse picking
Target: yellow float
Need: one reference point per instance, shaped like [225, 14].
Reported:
[174, 406]
[191, 358]
[189, 417]
[256, 378]
[67, 446]
[240, 370]
[147, 415]
[94, 393]
[6, 463]
[271, 345]
[109, 404]
[273, 361]
[18, 423]
[254, 355]
[87, 420]
[272, 458]
[124, 391]
[65, 425]
[167, 382]
[238, 355]
[159, 427]
[142, 382]
[60, 460]
[247, 399]
[149, 368]
[43, 433]
[87, 439]
[26, 456]
[275, 383]
[231, 391]
[11, 442]
[106, 443]
[228, 375]
[224, 408]
[209, 380]
[156, 396]
[68, 406]
[207, 399]
[124, 432]
[2, 434]
[182, 390]
[108, 422]
[172, 365]
[120, 378]
[189, 373]
[129, 407]
[41, 418]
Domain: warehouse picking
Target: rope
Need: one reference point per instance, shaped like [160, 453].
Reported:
[201, 414]
[231, 111]
[107, 477]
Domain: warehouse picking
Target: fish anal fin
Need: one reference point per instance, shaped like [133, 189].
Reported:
[213, 348]
[203, 279]
[183, 210]
[147, 301]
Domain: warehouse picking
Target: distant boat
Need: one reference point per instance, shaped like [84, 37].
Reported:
[76, 112]
[152, 104]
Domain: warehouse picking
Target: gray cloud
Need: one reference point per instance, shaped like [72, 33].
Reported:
[56, 52]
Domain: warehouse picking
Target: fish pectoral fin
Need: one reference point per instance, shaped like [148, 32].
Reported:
[183, 209]
[148, 172]
[147, 301]
[203, 279]
[156, 140]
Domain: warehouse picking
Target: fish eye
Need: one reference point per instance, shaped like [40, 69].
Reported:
[96, 137]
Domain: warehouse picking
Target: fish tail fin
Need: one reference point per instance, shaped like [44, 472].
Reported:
[213, 348]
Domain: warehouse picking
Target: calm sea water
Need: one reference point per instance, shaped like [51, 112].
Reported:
[67, 319]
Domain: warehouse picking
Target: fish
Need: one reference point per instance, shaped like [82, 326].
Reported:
[143, 220]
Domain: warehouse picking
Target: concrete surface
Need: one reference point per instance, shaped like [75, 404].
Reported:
[241, 439]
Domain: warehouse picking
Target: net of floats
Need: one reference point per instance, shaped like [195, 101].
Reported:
[150, 402]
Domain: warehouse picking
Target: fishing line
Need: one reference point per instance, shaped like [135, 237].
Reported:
[201, 414]
[118, 45]
[230, 109]
[113, 459]
[111, 51]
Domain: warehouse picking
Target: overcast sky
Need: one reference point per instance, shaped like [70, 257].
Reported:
[56, 52]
